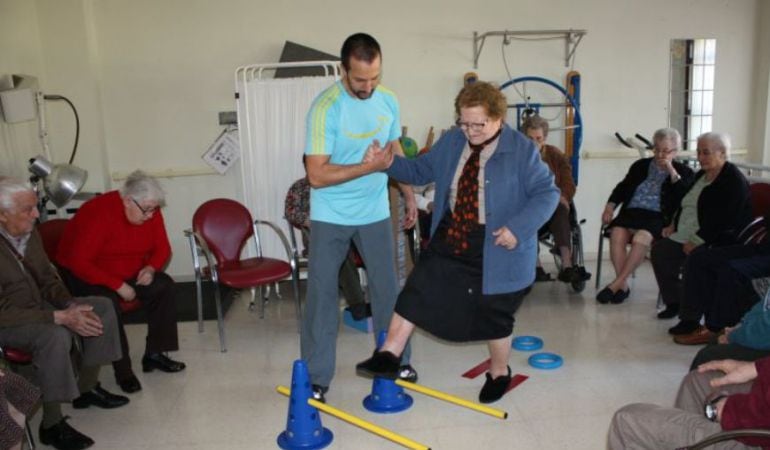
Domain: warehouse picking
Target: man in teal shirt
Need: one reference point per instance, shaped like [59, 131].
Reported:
[349, 200]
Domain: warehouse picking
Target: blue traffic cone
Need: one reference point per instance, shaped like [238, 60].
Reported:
[303, 425]
[386, 396]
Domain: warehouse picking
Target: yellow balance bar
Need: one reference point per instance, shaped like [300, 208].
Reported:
[452, 399]
[368, 426]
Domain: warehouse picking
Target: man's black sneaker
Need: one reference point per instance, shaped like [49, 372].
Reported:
[407, 373]
[318, 393]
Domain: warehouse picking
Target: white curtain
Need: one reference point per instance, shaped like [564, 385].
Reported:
[271, 120]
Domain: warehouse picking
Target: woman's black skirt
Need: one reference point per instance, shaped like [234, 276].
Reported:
[443, 293]
[639, 219]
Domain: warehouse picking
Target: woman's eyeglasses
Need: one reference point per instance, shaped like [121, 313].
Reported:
[471, 126]
[145, 211]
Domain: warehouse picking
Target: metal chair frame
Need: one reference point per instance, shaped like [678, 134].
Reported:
[199, 246]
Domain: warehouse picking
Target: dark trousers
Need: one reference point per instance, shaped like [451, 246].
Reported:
[668, 257]
[716, 352]
[157, 299]
[717, 283]
[350, 282]
[559, 226]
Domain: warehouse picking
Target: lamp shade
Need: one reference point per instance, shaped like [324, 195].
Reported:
[61, 181]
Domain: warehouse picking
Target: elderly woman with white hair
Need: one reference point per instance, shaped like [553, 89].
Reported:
[648, 195]
[714, 210]
[116, 246]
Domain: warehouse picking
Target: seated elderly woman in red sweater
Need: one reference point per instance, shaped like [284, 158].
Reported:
[116, 247]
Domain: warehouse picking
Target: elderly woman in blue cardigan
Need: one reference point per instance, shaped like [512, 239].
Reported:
[493, 193]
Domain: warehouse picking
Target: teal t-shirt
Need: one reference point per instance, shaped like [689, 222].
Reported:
[343, 126]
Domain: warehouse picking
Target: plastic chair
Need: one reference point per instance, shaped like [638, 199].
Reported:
[16, 357]
[221, 228]
[51, 233]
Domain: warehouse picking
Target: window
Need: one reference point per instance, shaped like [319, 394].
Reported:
[691, 97]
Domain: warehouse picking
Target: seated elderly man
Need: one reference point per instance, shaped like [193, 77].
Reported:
[39, 315]
[115, 247]
[719, 396]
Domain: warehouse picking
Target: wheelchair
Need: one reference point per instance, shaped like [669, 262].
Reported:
[545, 238]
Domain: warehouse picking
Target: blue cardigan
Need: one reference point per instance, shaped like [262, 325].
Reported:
[754, 329]
[519, 193]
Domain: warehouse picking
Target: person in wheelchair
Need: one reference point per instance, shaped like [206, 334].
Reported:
[536, 128]
[649, 194]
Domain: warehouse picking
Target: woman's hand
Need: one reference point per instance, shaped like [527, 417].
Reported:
[724, 337]
[378, 158]
[504, 238]
[688, 247]
[667, 231]
[145, 276]
[609, 211]
[126, 292]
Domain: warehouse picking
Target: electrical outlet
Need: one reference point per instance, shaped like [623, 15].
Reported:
[228, 118]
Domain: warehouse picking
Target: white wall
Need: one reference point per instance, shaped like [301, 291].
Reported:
[761, 123]
[20, 53]
[149, 76]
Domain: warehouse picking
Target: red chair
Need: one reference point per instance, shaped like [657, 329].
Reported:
[51, 233]
[16, 357]
[221, 228]
[760, 199]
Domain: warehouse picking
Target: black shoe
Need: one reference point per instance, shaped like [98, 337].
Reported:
[360, 311]
[684, 327]
[407, 373]
[130, 385]
[620, 296]
[542, 275]
[381, 364]
[64, 437]
[568, 275]
[99, 397]
[582, 275]
[605, 295]
[161, 362]
[494, 388]
[670, 312]
[319, 393]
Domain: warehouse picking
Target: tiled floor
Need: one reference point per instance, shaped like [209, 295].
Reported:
[614, 354]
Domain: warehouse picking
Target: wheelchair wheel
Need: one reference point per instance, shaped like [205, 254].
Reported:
[577, 258]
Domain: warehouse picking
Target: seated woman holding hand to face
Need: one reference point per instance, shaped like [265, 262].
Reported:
[493, 192]
[649, 195]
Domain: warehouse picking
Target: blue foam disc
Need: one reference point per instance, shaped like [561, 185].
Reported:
[527, 343]
[545, 361]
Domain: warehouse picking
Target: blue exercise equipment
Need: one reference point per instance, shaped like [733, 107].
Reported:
[527, 343]
[546, 361]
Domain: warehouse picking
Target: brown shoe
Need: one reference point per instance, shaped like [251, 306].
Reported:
[700, 336]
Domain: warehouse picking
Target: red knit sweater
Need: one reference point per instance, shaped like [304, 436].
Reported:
[100, 246]
[751, 410]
